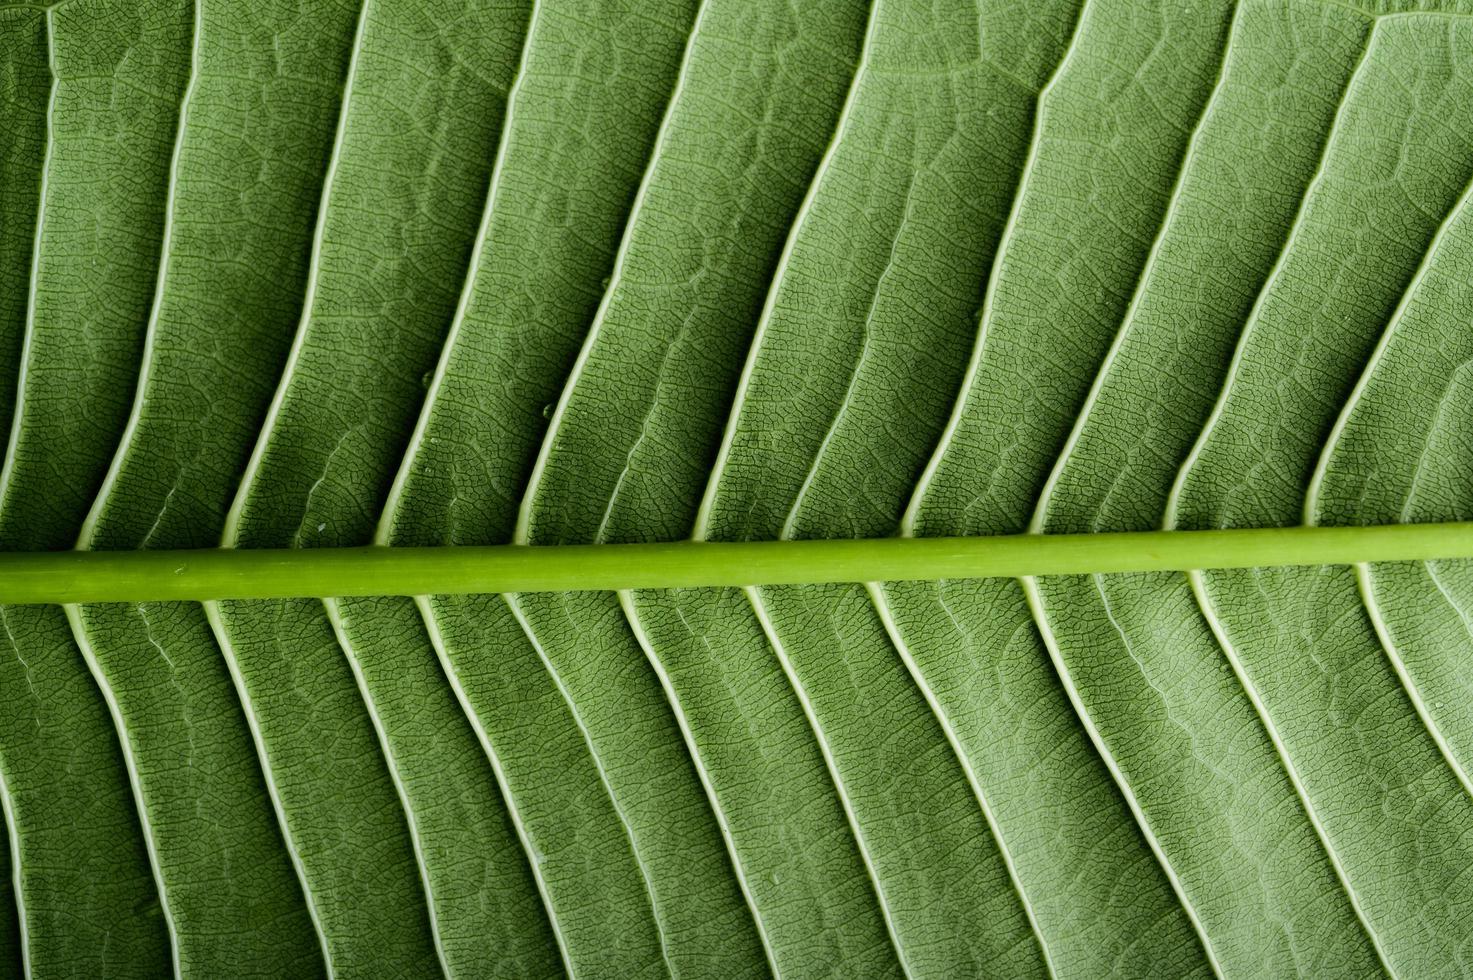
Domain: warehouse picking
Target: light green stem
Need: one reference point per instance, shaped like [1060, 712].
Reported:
[140, 576]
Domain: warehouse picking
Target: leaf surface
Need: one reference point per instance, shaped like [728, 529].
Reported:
[522, 273]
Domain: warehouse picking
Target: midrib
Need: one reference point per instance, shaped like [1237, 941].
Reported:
[228, 573]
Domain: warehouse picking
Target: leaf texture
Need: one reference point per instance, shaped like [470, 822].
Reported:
[534, 273]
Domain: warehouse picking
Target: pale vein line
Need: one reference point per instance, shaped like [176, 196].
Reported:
[1365, 583]
[1414, 14]
[383, 533]
[135, 784]
[523, 512]
[1434, 426]
[151, 331]
[1040, 618]
[892, 628]
[1036, 524]
[600, 534]
[790, 524]
[713, 483]
[293, 850]
[631, 613]
[513, 603]
[522, 529]
[1357, 394]
[1143, 279]
[1235, 366]
[394, 500]
[769, 303]
[908, 518]
[243, 490]
[314, 266]
[74, 612]
[979, 348]
[7, 806]
[770, 631]
[534, 863]
[521, 532]
[12, 829]
[1198, 584]
[712, 490]
[7, 468]
[334, 616]
[1209, 613]
[1312, 496]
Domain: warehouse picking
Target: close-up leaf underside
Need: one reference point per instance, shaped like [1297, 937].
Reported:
[725, 488]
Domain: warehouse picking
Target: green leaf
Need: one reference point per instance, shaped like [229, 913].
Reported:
[734, 487]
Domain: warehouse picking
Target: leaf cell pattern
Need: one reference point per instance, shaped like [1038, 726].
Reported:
[450, 272]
